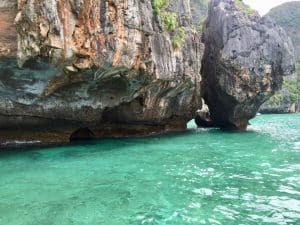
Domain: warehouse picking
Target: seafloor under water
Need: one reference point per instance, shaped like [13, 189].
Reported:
[198, 177]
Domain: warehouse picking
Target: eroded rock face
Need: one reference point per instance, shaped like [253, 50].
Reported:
[88, 69]
[245, 58]
[8, 34]
[107, 66]
[8, 4]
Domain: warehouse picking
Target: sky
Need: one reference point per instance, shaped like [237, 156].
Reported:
[263, 6]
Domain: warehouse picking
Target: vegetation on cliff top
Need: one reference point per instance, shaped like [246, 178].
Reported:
[169, 20]
[287, 14]
[240, 4]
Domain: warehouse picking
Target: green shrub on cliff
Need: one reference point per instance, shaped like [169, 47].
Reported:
[169, 20]
[178, 38]
[158, 5]
[293, 89]
[290, 92]
[240, 4]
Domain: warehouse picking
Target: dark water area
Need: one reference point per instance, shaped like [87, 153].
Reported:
[202, 176]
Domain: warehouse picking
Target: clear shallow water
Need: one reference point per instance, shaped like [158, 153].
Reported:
[198, 177]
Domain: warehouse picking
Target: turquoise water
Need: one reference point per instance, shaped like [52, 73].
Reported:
[198, 177]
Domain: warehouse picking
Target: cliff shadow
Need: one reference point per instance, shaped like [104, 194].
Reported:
[82, 134]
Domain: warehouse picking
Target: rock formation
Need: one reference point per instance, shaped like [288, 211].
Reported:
[287, 16]
[109, 67]
[84, 69]
[245, 59]
[287, 99]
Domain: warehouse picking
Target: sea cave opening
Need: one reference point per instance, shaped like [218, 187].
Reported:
[82, 134]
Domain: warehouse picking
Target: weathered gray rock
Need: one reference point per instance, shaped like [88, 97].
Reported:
[245, 58]
[297, 108]
[286, 100]
[104, 65]
[8, 3]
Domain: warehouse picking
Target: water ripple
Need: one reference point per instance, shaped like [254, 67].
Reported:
[204, 176]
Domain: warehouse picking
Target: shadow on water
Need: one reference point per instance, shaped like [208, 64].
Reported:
[256, 132]
[73, 148]
[108, 142]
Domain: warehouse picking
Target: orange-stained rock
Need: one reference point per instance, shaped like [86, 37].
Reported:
[108, 66]
[8, 33]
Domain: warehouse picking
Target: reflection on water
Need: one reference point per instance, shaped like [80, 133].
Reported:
[199, 177]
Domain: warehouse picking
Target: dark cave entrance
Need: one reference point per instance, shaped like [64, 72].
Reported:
[82, 134]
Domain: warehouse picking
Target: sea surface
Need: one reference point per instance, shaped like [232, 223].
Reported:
[202, 176]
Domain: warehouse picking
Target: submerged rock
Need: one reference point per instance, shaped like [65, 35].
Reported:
[245, 59]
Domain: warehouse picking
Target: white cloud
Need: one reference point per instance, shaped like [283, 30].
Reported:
[263, 6]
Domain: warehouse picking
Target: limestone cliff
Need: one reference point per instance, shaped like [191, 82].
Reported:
[73, 69]
[111, 66]
[245, 59]
[287, 15]
[287, 100]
